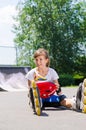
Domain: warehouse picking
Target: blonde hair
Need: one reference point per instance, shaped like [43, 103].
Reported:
[42, 52]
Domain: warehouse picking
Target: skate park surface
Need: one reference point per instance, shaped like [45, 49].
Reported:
[16, 114]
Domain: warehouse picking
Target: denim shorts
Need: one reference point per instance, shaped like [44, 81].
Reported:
[54, 99]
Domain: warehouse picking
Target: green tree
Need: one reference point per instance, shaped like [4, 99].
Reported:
[57, 25]
[81, 65]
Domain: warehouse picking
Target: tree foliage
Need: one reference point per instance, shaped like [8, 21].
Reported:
[56, 25]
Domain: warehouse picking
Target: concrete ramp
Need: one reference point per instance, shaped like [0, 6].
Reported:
[13, 78]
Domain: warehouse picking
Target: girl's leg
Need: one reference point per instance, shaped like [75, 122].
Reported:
[52, 101]
[66, 103]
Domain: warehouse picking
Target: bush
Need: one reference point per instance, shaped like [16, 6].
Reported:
[78, 79]
[66, 80]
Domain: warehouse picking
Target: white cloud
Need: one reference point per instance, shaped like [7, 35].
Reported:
[6, 14]
[6, 23]
[7, 55]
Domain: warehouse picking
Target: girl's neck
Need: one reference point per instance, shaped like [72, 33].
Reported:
[42, 71]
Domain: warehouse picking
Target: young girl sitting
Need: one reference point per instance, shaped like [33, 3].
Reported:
[42, 69]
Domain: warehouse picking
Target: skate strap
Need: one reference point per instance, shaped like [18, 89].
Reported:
[46, 89]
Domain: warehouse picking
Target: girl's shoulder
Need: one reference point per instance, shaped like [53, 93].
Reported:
[30, 74]
[53, 73]
[51, 69]
[32, 70]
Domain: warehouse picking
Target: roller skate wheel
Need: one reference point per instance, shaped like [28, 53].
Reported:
[38, 111]
[84, 109]
[84, 82]
[36, 102]
[35, 93]
[85, 91]
[84, 100]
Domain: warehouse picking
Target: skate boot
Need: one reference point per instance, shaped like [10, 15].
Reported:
[78, 97]
[36, 98]
[83, 100]
[31, 99]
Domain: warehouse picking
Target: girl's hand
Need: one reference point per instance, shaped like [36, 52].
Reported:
[59, 92]
[57, 84]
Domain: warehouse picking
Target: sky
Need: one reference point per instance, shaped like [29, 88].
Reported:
[7, 49]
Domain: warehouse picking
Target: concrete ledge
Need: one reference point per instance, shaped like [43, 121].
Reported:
[14, 69]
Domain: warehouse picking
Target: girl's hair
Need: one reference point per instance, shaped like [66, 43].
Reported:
[42, 52]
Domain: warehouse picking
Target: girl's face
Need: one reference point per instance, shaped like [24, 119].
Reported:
[41, 61]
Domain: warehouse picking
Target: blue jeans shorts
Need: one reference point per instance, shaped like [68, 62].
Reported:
[53, 100]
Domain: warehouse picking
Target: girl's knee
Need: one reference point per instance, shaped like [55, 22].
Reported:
[66, 103]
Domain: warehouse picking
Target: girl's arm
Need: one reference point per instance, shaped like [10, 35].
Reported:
[58, 91]
[57, 84]
[29, 84]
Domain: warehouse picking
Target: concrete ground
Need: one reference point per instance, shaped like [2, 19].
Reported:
[15, 114]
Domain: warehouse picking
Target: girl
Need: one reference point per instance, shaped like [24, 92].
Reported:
[46, 73]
